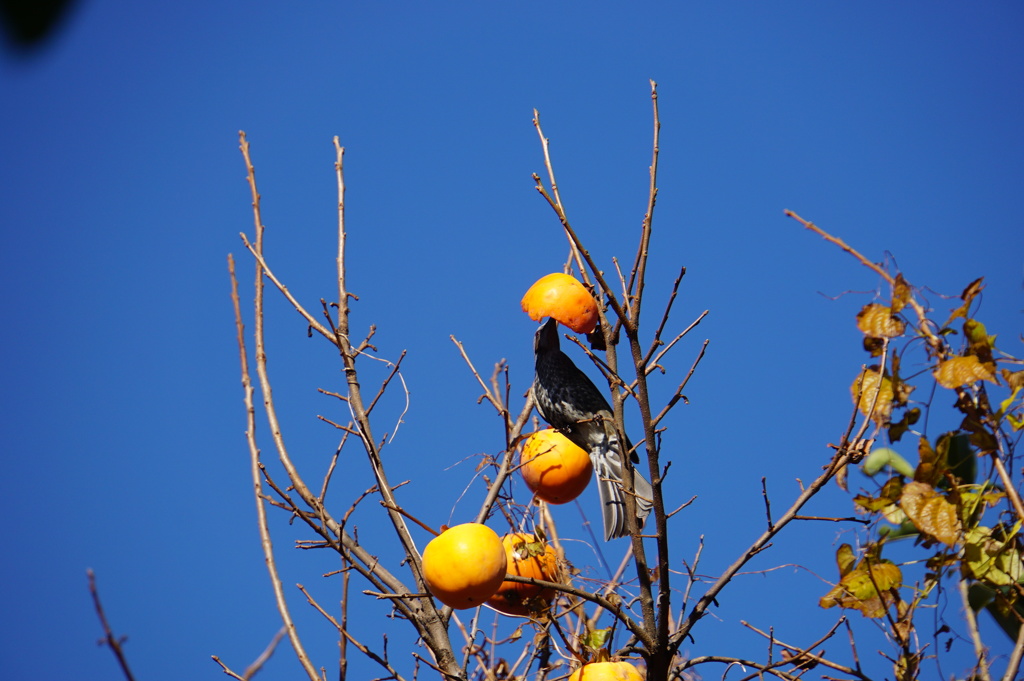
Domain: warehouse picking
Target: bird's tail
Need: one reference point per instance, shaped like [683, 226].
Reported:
[608, 467]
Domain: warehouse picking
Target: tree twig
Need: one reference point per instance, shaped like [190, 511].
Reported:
[981, 665]
[250, 432]
[111, 641]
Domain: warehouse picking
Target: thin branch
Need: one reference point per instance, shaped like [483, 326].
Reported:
[875, 267]
[226, 669]
[760, 666]
[339, 169]
[250, 432]
[506, 462]
[258, 663]
[411, 517]
[849, 519]
[488, 395]
[1008, 487]
[678, 394]
[767, 502]
[972, 626]
[113, 642]
[395, 366]
[330, 469]
[804, 653]
[1013, 666]
[638, 274]
[557, 204]
[421, 610]
[923, 324]
[310, 319]
[691, 572]
[656, 342]
[349, 638]
[610, 587]
[652, 365]
[613, 300]
[838, 461]
[603, 602]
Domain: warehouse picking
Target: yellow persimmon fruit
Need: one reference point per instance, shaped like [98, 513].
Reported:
[563, 298]
[607, 671]
[527, 557]
[554, 468]
[464, 565]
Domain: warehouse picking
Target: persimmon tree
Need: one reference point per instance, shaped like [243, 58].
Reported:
[959, 504]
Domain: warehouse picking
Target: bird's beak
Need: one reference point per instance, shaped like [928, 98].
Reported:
[547, 336]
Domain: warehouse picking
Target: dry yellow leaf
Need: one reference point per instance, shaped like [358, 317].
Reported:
[865, 386]
[878, 321]
[930, 512]
[959, 371]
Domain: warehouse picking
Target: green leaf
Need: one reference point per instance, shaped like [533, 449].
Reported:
[961, 460]
[990, 560]
[868, 589]
[597, 638]
[901, 531]
[1002, 603]
[880, 457]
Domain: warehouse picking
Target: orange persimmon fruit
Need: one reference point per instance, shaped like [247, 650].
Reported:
[554, 468]
[607, 671]
[464, 565]
[565, 299]
[527, 557]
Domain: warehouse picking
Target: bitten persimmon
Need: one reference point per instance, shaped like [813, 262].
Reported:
[464, 565]
[554, 468]
[527, 557]
[607, 671]
[563, 298]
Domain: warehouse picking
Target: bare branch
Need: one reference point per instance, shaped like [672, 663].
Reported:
[972, 626]
[760, 666]
[488, 395]
[804, 653]
[578, 249]
[343, 294]
[923, 326]
[840, 459]
[113, 642]
[226, 669]
[556, 203]
[258, 663]
[678, 394]
[656, 341]
[651, 365]
[637, 279]
[347, 636]
[1013, 666]
[310, 319]
[250, 431]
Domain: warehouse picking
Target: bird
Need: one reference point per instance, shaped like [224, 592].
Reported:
[570, 402]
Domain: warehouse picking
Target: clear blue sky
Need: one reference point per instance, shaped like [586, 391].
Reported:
[897, 127]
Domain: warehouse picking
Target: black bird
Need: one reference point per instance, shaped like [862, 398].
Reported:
[569, 401]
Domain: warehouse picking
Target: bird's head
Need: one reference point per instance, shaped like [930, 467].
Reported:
[546, 339]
